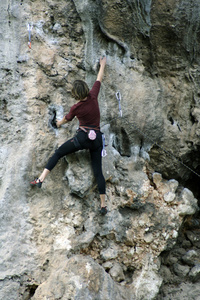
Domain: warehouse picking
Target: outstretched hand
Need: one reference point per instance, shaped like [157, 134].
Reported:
[102, 61]
[101, 70]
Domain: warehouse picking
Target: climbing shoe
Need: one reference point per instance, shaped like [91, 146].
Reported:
[36, 182]
[103, 211]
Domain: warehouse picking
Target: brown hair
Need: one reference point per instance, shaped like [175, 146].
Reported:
[80, 89]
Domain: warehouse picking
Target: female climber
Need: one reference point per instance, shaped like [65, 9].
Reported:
[88, 135]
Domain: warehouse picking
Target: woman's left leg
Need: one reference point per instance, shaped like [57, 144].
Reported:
[66, 148]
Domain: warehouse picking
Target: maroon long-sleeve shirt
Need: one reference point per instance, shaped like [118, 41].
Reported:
[87, 111]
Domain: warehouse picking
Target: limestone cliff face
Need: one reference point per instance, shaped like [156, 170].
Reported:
[54, 243]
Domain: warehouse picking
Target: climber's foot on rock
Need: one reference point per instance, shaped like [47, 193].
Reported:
[36, 182]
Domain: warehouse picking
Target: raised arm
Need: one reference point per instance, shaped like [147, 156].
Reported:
[101, 70]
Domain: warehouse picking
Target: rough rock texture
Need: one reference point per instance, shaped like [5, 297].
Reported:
[54, 243]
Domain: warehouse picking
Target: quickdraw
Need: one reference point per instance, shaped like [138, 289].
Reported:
[29, 27]
[118, 96]
[103, 152]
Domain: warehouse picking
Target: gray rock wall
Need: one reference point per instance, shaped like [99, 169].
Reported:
[54, 243]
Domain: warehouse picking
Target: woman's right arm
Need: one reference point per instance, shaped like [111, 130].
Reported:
[101, 70]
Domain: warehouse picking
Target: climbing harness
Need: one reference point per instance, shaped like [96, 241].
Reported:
[90, 132]
[29, 27]
[92, 136]
[118, 96]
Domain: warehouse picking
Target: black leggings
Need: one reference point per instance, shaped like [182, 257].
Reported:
[79, 142]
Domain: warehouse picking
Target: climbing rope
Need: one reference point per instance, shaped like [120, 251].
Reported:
[133, 124]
